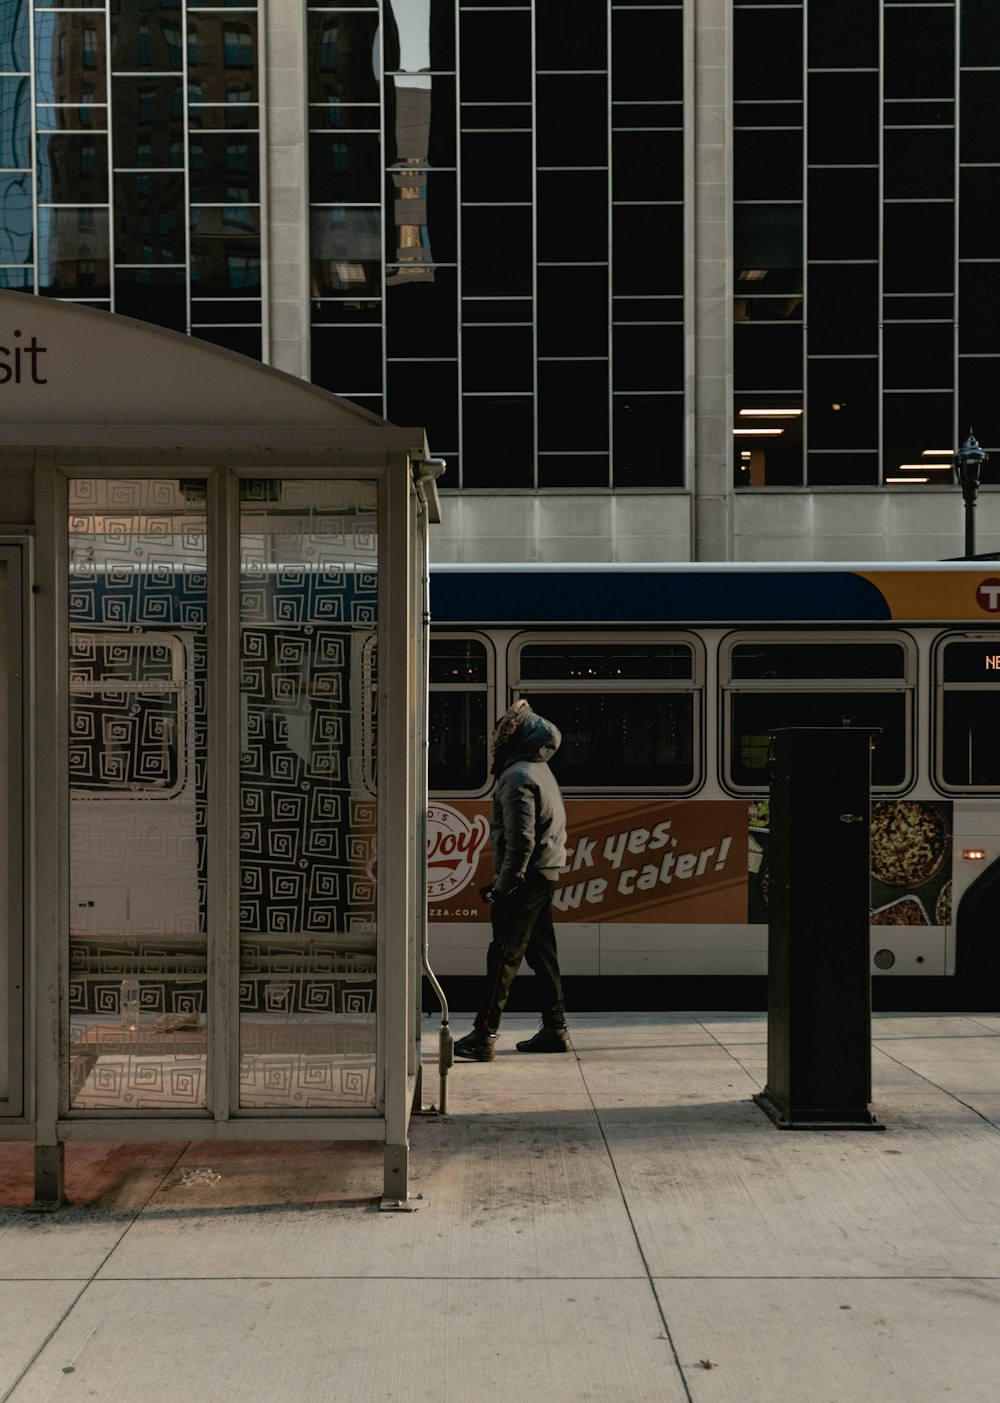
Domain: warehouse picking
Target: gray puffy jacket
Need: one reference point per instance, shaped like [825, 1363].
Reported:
[528, 830]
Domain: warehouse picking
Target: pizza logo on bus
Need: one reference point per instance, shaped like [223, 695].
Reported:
[453, 847]
[988, 596]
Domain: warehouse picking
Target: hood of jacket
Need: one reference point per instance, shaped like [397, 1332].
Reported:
[533, 739]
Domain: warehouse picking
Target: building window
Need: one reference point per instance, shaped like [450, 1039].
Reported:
[845, 217]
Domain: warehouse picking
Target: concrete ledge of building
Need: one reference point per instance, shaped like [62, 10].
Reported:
[939, 547]
[860, 546]
[850, 515]
[558, 550]
[664, 514]
[641, 550]
[496, 550]
[487, 516]
[753, 547]
[573, 516]
[566, 550]
[779, 513]
[939, 516]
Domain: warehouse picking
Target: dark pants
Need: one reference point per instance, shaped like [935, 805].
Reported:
[522, 930]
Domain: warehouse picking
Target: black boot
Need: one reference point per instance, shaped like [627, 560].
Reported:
[477, 1046]
[547, 1040]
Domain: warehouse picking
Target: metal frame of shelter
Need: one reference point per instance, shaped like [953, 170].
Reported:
[107, 397]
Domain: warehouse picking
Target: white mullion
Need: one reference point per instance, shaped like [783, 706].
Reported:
[883, 466]
[263, 184]
[34, 148]
[534, 253]
[805, 244]
[610, 252]
[689, 318]
[109, 137]
[383, 212]
[956, 226]
[185, 137]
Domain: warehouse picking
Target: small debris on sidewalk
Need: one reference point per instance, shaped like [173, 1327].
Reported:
[191, 1177]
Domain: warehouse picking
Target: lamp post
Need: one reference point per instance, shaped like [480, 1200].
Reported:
[969, 462]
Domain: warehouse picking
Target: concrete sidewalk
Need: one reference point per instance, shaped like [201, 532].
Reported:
[623, 1226]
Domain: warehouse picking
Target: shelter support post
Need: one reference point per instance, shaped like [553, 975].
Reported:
[50, 1177]
[396, 1196]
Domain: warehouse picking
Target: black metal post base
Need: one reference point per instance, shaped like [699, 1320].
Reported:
[50, 1178]
[806, 1118]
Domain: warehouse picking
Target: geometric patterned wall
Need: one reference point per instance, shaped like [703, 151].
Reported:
[307, 823]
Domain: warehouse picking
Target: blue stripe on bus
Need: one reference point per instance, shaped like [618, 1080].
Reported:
[578, 596]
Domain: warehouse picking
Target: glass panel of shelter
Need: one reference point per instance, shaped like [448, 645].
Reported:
[138, 922]
[308, 810]
[139, 919]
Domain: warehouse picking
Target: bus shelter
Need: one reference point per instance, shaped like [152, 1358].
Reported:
[212, 584]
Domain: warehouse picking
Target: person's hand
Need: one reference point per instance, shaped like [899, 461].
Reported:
[486, 892]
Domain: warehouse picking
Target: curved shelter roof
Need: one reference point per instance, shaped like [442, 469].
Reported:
[73, 375]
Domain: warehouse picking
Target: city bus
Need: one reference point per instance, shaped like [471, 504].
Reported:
[665, 681]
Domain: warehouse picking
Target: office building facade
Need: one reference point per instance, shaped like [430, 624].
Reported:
[702, 280]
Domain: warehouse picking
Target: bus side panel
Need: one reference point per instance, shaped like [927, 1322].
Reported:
[675, 887]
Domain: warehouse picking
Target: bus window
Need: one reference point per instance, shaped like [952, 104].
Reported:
[459, 721]
[629, 711]
[754, 715]
[585, 661]
[770, 683]
[818, 662]
[968, 740]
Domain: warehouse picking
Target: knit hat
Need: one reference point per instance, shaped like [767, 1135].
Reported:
[509, 723]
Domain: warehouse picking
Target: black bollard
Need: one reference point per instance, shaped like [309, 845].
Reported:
[819, 980]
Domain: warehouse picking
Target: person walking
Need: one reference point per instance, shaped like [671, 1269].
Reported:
[528, 837]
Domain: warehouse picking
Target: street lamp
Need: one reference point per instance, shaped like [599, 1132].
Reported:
[969, 462]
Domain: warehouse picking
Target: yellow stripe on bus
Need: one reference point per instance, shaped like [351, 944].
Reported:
[960, 597]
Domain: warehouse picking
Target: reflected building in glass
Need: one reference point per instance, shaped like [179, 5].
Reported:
[131, 161]
[647, 272]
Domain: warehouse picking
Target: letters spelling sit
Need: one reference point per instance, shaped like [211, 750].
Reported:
[11, 362]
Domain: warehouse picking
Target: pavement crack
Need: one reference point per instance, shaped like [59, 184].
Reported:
[937, 1087]
[667, 1334]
